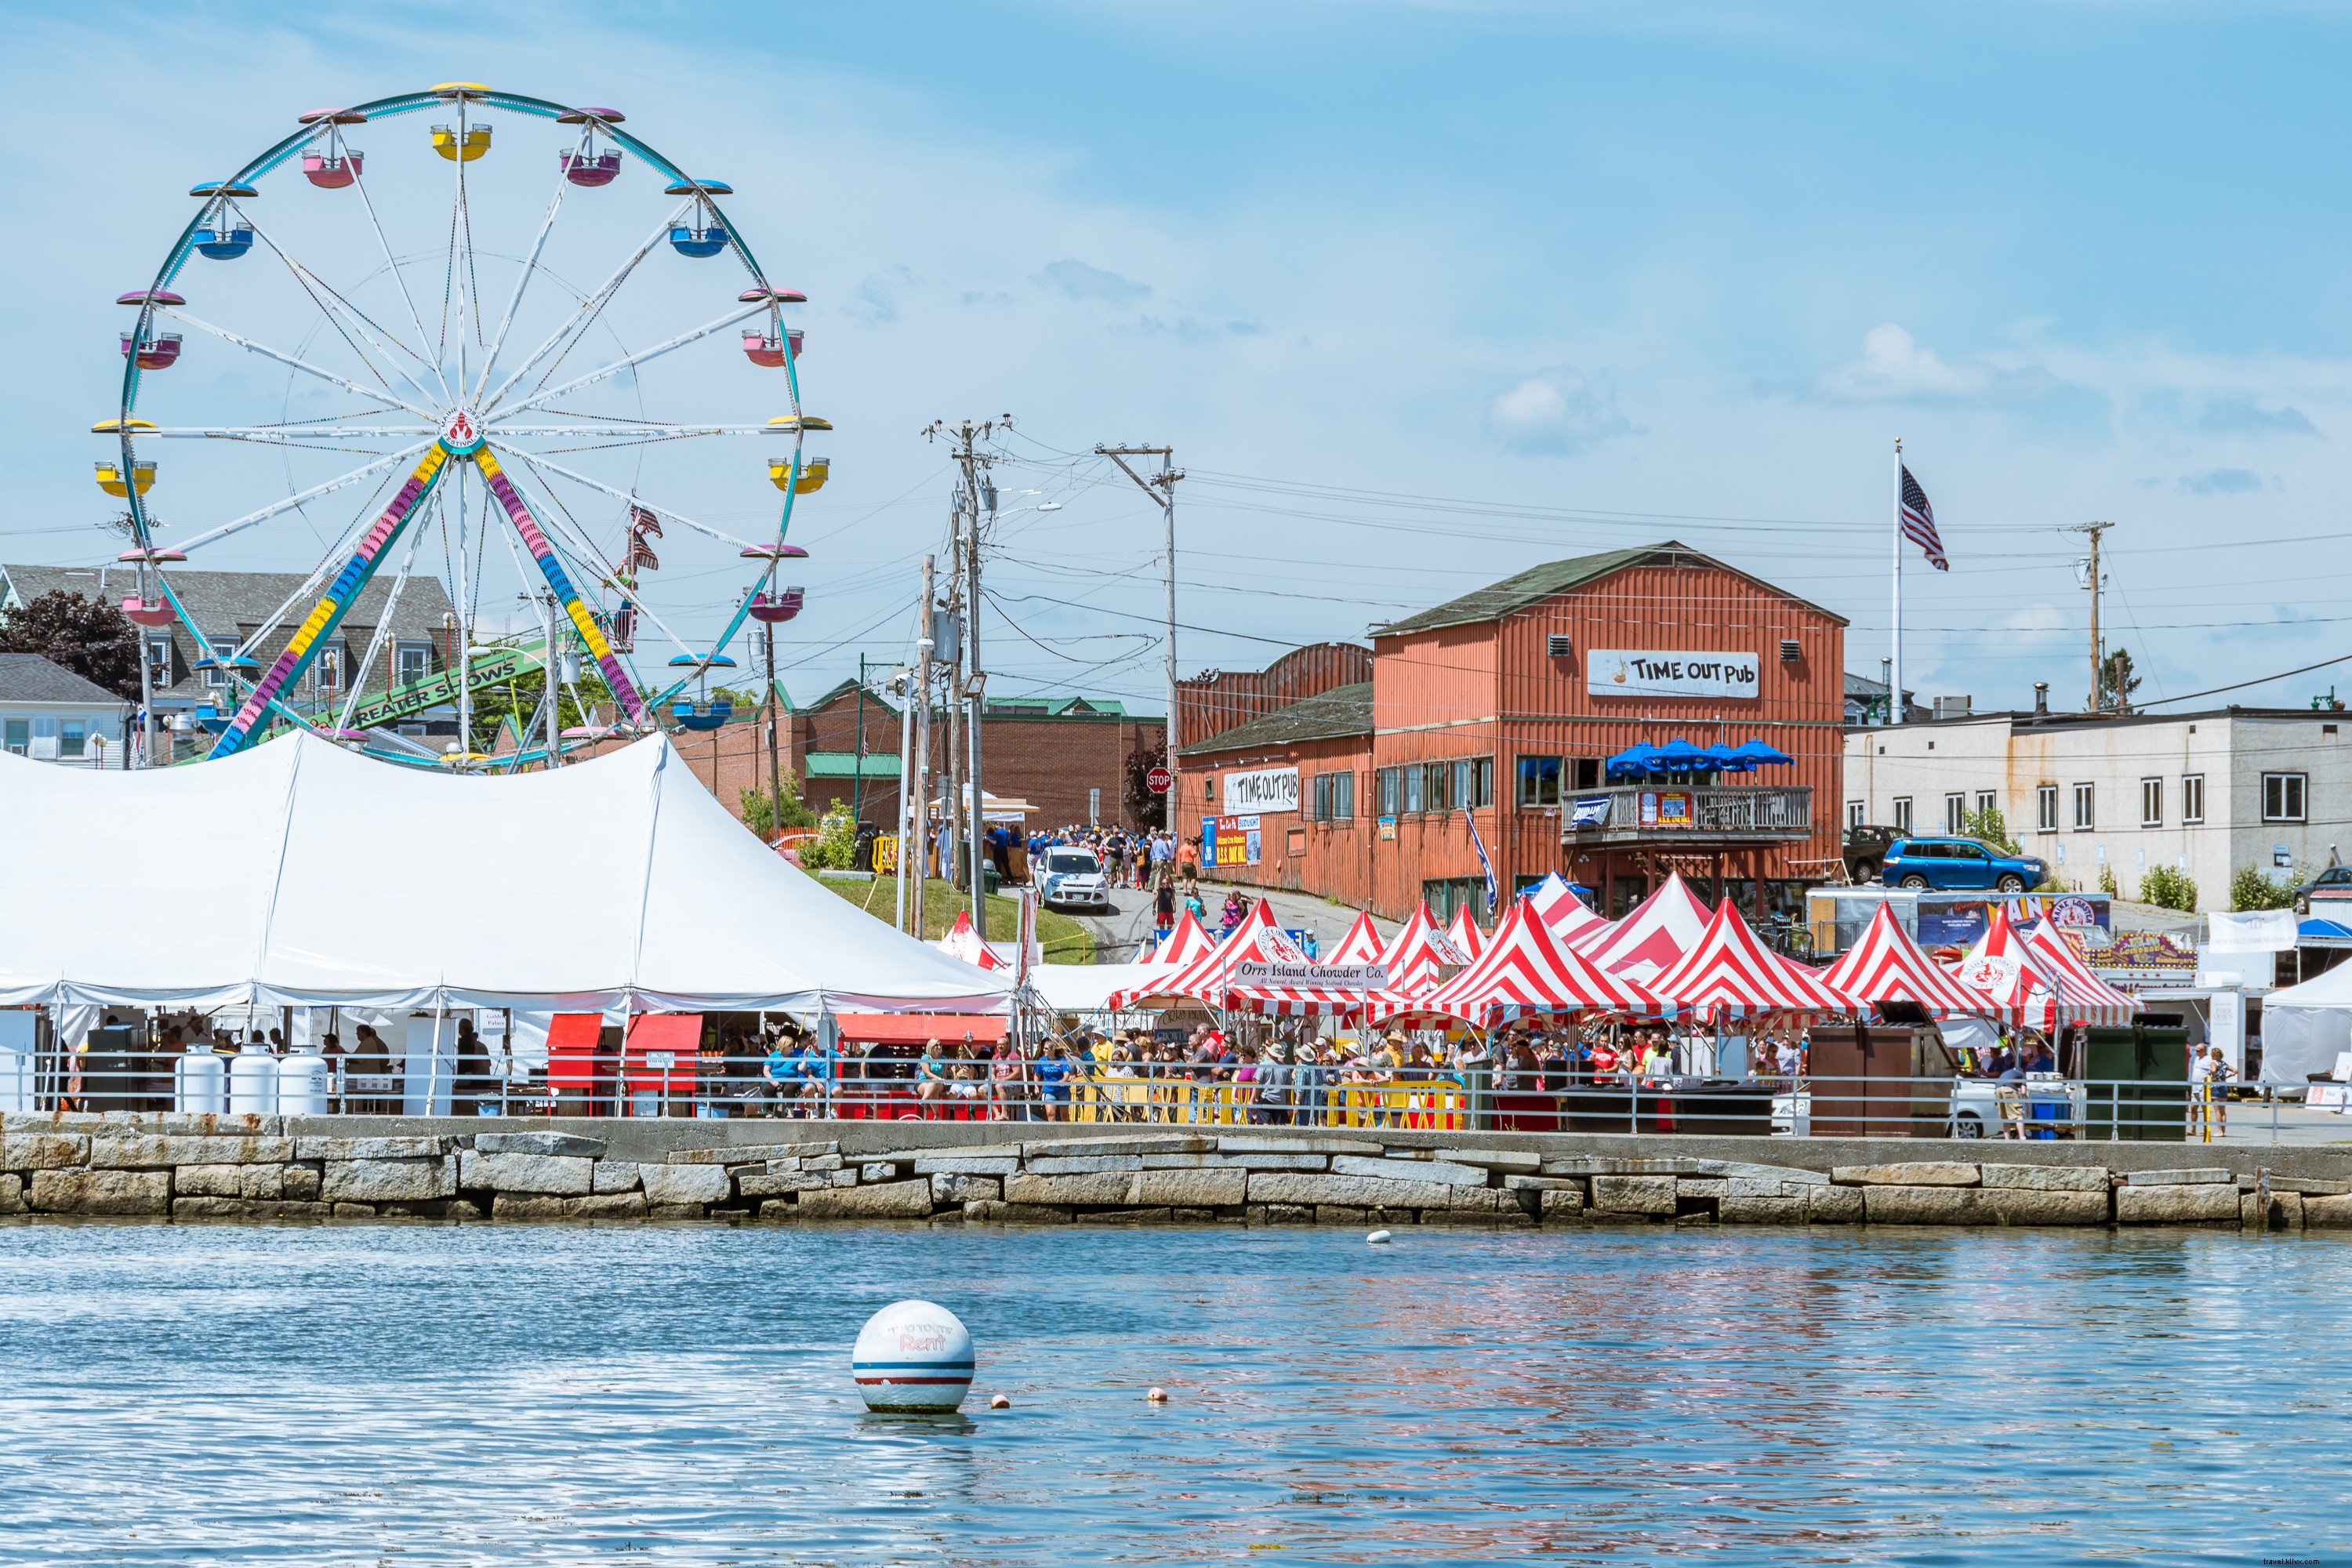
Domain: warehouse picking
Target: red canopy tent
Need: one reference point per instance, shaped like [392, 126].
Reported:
[1887, 966]
[1257, 939]
[1652, 937]
[1418, 962]
[1362, 945]
[1526, 972]
[1728, 973]
[1464, 934]
[1186, 942]
[2035, 973]
[1561, 910]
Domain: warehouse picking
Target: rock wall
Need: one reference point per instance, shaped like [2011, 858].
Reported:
[247, 1168]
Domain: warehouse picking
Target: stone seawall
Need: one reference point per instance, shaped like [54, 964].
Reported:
[294, 1168]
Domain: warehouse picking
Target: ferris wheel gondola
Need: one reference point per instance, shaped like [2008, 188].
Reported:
[459, 426]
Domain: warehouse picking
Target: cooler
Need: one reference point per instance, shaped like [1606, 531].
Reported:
[659, 1063]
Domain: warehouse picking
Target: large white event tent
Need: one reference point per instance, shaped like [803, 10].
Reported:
[297, 874]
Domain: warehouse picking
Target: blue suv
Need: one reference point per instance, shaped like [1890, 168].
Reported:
[1958, 864]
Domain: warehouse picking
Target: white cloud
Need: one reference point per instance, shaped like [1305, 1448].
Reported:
[1556, 412]
[1894, 367]
[1074, 280]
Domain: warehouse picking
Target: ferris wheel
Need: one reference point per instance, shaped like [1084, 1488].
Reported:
[413, 349]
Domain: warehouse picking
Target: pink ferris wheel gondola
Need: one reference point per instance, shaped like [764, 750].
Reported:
[587, 165]
[782, 606]
[330, 165]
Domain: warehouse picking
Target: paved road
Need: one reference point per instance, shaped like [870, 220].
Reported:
[1119, 936]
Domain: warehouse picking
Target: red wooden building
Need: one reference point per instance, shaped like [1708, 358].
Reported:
[1500, 708]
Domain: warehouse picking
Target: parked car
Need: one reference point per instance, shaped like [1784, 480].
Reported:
[2329, 885]
[2047, 1106]
[1865, 850]
[1958, 864]
[1072, 879]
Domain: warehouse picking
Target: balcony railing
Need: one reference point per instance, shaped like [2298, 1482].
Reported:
[1688, 811]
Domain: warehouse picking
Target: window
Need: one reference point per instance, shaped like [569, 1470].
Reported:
[224, 649]
[1437, 786]
[412, 662]
[19, 732]
[1855, 811]
[1587, 773]
[2045, 808]
[1987, 802]
[159, 661]
[1538, 782]
[2283, 798]
[2151, 802]
[1481, 782]
[72, 735]
[2192, 797]
[1955, 814]
[1335, 797]
[1415, 782]
[1389, 791]
[1901, 813]
[2086, 816]
[327, 670]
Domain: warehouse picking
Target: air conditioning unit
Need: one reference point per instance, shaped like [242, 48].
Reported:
[1560, 645]
[1954, 707]
[1791, 650]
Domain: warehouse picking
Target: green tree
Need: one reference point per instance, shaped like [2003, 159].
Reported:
[92, 637]
[1143, 807]
[757, 808]
[1990, 825]
[2107, 881]
[519, 700]
[2117, 682]
[835, 844]
[2252, 888]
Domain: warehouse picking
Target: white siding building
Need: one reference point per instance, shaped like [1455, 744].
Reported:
[52, 715]
[2205, 792]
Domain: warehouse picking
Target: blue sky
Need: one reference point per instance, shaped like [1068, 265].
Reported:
[1420, 294]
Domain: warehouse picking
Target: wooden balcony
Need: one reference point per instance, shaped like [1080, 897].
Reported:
[1698, 815]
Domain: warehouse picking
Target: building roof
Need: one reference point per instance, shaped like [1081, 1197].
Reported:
[1057, 707]
[223, 602]
[843, 765]
[1538, 583]
[2026, 718]
[1342, 710]
[29, 677]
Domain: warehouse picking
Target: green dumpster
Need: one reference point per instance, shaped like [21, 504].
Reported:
[2138, 1089]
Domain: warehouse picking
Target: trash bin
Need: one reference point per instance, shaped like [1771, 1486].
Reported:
[2145, 1095]
[989, 878]
[1724, 1108]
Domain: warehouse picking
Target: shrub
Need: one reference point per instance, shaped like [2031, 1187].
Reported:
[2107, 879]
[759, 805]
[835, 844]
[1990, 825]
[2252, 888]
[2169, 889]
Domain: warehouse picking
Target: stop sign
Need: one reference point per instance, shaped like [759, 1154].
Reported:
[1159, 780]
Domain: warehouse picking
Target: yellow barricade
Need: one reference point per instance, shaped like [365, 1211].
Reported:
[1436, 1103]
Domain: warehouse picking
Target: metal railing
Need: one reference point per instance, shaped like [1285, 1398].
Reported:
[1702, 810]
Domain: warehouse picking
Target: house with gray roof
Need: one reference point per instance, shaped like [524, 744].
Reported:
[49, 713]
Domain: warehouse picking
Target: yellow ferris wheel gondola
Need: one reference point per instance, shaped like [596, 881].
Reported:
[110, 480]
[814, 473]
[472, 145]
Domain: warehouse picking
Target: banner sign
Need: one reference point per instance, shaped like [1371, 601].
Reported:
[1591, 811]
[1229, 841]
[1639, 672]
[1266, 789]
[441, 690]
[1665, 809]
[1323, 976]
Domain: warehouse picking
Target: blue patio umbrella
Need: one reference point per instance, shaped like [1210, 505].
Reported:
[1727, 760]
[1633, 759]
[1756, 752]
[1679, 755]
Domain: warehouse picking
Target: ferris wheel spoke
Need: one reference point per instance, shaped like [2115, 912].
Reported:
[374, 395]
[623, 432]
[341, 314]
[523, 280]
[589, 304]
[606, 372]
[388, 460]
[534, 538]
[286, 435]
[383, 243]
[543, 464]
[583, 549]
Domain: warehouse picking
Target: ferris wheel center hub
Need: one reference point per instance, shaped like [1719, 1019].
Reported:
[461, 433]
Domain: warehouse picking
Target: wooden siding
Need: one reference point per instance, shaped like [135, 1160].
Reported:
[1211, 704]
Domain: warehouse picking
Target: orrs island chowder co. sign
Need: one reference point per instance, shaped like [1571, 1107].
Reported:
[1267, 789]
[1636, 672]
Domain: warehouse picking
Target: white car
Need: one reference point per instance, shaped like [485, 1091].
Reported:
[1072, 879]
[2048, 1102]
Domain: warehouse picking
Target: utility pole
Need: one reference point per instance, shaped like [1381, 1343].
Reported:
[1161, 486]
[922, 696]
[902, 681]
[2097, 653]
[857, 775]
[975, 686]
[775, 721]
[975, 494]
[950, 860]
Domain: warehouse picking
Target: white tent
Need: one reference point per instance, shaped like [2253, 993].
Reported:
[2303, 1027]
[299, 874]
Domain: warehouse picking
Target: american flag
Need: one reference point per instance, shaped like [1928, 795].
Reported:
[1919, 523]
[641, 554]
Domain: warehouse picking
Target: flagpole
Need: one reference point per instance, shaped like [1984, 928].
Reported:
[1894, 690]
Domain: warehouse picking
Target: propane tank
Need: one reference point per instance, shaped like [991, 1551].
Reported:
[302, 1082]
[200, 1083]
[253, 1082]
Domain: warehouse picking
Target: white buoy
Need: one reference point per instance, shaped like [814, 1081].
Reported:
[1380, 1238]
[913, 1356]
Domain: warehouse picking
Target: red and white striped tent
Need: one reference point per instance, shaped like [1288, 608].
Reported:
[1362, 945]
[2036, 973]
[1526, 972]
[1888, 965]
[962, 942]
[1730, 974]
[1652, 937]
[1464, 934]
[1257, 939]
[1187, 941]
[1418, 961]
[1566, 915]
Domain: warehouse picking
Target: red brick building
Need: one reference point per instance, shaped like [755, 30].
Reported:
[1500, 708]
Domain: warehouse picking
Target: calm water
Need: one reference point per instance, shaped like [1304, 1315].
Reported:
[680, 1394]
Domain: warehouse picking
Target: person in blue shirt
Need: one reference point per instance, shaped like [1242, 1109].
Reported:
[1053, 1071]
[1310, 947]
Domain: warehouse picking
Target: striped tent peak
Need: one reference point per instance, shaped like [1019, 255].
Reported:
[1527, 971]
[1888, 965]
[962, 942]
[1362, 945]
[1561, 909]
[1186, 942]
[1729, 974]
[1418, 952]
[1209, 976]
[2076, 995]
[1464, 934]
[1653, 937]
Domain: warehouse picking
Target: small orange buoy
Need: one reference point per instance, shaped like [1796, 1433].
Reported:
[1158, 1396]
[998, 1402]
